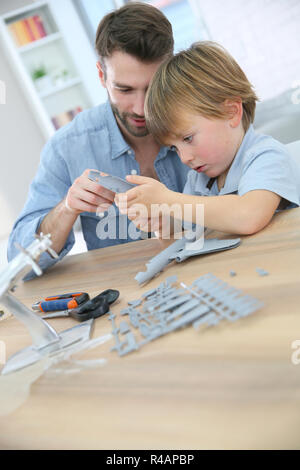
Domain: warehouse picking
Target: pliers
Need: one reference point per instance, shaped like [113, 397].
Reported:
[61, 302]
[93, 308]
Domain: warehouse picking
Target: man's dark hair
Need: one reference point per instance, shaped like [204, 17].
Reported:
[138, 29]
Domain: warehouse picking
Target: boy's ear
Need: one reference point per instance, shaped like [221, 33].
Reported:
[101, 73]
[234, 110]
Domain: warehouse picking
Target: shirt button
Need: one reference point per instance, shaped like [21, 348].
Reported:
[129, 152]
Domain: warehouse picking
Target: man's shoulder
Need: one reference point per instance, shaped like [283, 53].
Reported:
[87, 121]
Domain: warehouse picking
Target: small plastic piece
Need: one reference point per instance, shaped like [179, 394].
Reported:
[210, 246]
[262, 272]
[113, 183]
[127, 345]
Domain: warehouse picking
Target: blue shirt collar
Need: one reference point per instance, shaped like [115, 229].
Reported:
[119, 146]
[234, 174]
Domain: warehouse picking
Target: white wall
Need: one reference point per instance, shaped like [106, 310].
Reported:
[20, 144]
[262, 35]
[20, 136]
[21, 140]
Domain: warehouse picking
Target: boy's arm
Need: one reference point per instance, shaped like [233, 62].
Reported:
[242, 215]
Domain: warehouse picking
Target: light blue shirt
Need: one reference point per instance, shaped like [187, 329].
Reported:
[260, 163]
[92, 140]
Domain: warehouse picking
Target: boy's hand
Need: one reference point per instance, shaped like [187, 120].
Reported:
[149, 191]
[137, 202]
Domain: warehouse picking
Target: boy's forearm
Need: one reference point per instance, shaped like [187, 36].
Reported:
[229, 213]
[58, 222]
[219, 213]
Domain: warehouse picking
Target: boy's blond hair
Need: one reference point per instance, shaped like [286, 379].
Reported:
[198, 80]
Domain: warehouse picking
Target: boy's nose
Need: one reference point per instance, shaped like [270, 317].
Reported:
[186, 157]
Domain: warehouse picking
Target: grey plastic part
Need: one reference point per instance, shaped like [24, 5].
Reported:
[210, 246]
[226, 301]
[166, 308]
[129, 344]
[158, 263]
[113, 183]
[135, 303]
[124, 327]
[210, 320]
[262, 272]
[189, 317]
[174, 303]
[183, 309]
[176, 251]
[159, 300]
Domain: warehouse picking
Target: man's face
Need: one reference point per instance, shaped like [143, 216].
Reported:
[126, 80]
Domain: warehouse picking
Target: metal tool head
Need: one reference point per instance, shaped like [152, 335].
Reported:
[68, 339]
[46, 341]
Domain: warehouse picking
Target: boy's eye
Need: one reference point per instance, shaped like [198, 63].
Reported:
[188, 139]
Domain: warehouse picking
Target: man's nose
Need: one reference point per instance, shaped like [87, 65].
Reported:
[138, 107]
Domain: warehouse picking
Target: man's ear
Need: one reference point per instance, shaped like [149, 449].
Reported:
[101, 73]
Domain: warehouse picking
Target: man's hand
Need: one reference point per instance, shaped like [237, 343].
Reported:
[83, 195]
[86, 195]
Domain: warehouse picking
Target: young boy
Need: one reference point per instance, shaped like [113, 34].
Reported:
[201, 103]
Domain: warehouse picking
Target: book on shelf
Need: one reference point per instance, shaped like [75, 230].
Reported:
[66, 117]
[27, 30]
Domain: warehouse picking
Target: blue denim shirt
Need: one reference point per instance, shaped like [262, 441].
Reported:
[92, 140]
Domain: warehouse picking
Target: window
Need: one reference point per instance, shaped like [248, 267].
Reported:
[91, 13]
[182, 19]
[186, 29]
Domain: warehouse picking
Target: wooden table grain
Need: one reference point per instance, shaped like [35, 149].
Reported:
[233, 386]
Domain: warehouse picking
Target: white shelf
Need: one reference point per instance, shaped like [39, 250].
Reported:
[56, 53]
[58, 89]
[40, 42]
[24, 10]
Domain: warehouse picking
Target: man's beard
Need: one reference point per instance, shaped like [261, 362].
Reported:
[133, 130]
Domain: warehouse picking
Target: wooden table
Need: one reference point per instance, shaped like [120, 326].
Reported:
[232, 386]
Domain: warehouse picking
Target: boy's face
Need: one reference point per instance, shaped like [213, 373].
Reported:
[207, 145]
[126, 80]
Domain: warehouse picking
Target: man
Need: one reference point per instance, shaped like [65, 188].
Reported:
[131, 43]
